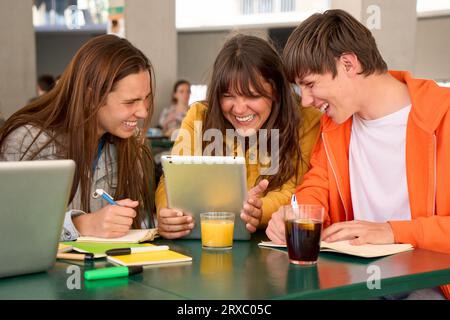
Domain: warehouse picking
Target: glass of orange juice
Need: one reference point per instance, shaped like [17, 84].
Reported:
[217, 230]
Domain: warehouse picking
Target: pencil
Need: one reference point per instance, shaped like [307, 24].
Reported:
[75, 256]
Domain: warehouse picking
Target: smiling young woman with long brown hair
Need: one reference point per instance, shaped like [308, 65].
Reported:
[249, 95]
[91, 116]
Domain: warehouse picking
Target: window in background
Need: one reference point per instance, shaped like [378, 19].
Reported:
[228, 14]
[444, 83]
[427, 7]
[265, 6]
[247, 7]
[198, 93]
[250, 7]
[70, 14]
[287, 5]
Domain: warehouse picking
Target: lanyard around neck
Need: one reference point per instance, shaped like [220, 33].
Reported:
[101, 143]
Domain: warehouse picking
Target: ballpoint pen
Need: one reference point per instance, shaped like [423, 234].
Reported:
[294, 203]
[76, 256]
[102, 193]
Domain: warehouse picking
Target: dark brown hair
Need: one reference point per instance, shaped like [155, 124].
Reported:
[175, 88]
[68, 114]
[46, 82]
[242, 62]
[317, 42]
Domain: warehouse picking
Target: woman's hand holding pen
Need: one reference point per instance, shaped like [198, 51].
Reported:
[252, 209]
[111, 221]
[174, 223]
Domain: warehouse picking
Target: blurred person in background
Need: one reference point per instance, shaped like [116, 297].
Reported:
[45, 83]
[171, 117]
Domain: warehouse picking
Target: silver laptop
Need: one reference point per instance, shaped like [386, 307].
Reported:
[33, 199]
[205, 183]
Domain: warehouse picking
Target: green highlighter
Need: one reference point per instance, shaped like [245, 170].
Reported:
[114, 272]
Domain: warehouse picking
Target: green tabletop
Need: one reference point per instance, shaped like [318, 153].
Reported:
[245, 272]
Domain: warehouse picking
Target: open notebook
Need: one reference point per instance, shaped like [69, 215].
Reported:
[133, 236]
[365, 251]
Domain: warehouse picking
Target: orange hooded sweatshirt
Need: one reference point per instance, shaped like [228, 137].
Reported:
[427, 165]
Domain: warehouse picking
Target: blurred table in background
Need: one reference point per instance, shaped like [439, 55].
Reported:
[160, 145]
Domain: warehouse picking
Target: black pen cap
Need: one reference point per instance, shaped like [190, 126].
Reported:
[135, 270]
[88, 256]
[118, 252]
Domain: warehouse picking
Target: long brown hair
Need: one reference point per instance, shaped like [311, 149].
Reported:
[68, 115]
[317, 42]
[243, 61]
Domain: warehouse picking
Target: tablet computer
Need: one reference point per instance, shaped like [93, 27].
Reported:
[207, 183]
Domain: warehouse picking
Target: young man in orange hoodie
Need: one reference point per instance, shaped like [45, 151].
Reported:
[381, 168]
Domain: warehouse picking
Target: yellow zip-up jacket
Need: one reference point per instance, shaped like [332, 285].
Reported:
[309, 132]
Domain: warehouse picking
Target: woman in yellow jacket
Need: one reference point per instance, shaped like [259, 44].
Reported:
[250, 99]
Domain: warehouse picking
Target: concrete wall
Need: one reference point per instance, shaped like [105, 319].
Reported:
[196, 54]
[433, 48]
[396, 35]
[17, 56]
[392, 23]
[198, 50]
[150, 26]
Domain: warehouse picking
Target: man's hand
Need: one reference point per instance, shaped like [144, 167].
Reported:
[359, 232]
[276, 228]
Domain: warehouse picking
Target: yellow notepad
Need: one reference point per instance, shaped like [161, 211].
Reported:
[149, 258]
[62, 248]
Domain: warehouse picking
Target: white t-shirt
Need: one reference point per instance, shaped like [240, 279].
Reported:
[377, 163]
